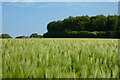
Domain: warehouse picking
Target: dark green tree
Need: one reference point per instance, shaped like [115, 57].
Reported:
[112, 23]
[51, 26]
[35, 35]
[103, 26]
[100, 22]
[118, 28]
[5, 36]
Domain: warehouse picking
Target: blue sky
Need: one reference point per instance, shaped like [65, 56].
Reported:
[25, 18]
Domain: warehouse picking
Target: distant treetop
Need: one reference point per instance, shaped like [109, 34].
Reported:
[35, 35]
[5, 36]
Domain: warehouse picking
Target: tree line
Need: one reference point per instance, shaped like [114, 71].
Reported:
[85, 26]
[98, 26]
[33, 35]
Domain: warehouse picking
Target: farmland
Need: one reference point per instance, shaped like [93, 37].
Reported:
[60, 58]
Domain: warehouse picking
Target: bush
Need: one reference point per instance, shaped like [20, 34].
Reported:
[70, 34]
[83, 34]
[110, 34]
[80, 34]
[5, 36]
[101, 34]
[118, 34]
[35, 35]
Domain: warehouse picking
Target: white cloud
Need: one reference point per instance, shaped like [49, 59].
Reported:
[66, 4]
[60, 0]
[23, 4]
[53, 4]
[74, 5]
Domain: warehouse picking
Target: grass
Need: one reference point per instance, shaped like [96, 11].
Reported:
[60, 58]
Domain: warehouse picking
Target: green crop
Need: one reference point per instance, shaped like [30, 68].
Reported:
[60, 58]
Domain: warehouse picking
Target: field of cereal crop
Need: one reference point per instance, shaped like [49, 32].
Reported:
[60, 58]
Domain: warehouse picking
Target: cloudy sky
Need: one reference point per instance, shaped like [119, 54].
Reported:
[25, 18]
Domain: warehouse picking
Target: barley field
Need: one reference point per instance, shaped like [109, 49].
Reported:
[60, 58]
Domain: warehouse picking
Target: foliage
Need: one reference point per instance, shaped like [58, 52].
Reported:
[110, 23]
[60, 58]
[83, 34]
[118, 34]
[101, 34]
[5, 36]
[35, 35]
[85, 23]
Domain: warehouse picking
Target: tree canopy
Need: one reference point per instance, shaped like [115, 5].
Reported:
[99, 23]
[5, 36]
[35, 35]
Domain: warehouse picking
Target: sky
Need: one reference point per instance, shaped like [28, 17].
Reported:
[25, 18]
[59, 0]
